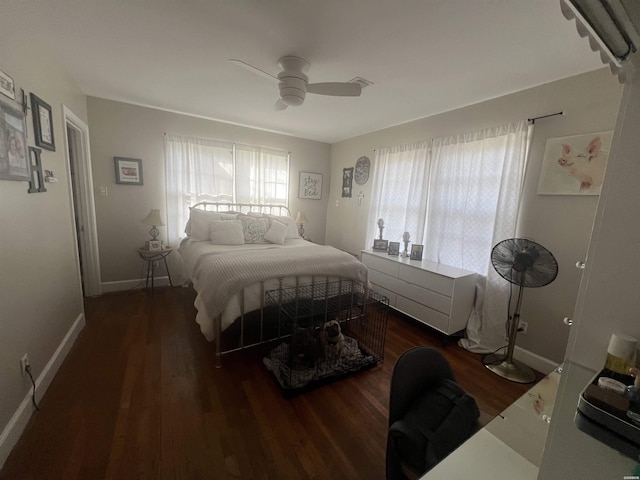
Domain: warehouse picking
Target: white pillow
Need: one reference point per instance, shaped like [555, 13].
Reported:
[199, 221]
[226, 232]
[254, 229]
[292, 228]
[277, 232]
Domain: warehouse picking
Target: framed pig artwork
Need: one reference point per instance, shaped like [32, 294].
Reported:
[575, 165]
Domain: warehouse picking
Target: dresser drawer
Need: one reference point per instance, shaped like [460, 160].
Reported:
[426, 279]
[429, 298]
[383, 265]
[385, 281]
[426, 315]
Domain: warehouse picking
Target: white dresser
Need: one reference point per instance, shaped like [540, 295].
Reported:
[435, 294]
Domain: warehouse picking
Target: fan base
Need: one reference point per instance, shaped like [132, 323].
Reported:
[513, 371]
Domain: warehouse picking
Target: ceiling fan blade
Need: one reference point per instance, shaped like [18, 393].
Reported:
[279, 105]
[253, 69]
[338, 89]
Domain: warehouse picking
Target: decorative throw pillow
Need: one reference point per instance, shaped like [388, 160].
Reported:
[277, 233]
[199, 221]
[292, 228]
[226, 232]
[254, 229]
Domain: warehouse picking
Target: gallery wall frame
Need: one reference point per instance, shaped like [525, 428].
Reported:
[14, 156]
[42, 123]
[310, 185]
[128, 171]
[7, 86]
[347, 182]
[575, 165]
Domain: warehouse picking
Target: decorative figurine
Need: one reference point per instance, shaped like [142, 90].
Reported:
[381, 226]
[405, 238]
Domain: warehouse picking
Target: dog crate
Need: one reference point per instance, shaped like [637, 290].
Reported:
[329, 329]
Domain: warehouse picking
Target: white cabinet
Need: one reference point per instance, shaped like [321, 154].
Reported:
[437, 295]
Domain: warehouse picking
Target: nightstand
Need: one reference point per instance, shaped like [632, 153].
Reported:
[151, 257]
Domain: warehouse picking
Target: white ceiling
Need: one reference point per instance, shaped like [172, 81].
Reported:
[423, 56]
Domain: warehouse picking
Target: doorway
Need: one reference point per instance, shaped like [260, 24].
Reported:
[82, 202]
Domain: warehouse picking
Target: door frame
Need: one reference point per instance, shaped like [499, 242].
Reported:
[84, 206]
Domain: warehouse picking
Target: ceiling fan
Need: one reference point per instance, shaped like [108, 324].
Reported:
[294, 83]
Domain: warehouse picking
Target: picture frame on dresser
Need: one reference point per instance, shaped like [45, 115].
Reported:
[416, 252]
[380, 245]
[394, 248]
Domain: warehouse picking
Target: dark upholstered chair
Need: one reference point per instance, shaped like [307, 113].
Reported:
[416, 371]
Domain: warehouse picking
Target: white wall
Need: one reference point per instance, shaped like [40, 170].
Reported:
[40, 292]
[560, 223]
[124, 130]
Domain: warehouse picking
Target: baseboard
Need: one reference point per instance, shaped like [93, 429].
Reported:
[541, 364]
[18, 422]
[121, 285]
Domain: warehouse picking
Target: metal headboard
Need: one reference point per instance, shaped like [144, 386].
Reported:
[279, 210]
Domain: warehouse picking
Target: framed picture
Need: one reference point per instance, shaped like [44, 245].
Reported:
[347, 181]
[416, 252]
[7, 87]
[42, 123]
[154, 245]
[394, 248]
[380, 245]
[14, 156]
[310, 185]
[128, 171]
[575, 165]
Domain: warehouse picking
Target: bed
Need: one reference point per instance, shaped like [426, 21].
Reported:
[234, 254]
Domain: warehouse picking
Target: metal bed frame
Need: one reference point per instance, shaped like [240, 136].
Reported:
[269, 209]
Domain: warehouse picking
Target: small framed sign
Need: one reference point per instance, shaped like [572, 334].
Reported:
[380, 245]
[416, 252]
[310, 185]
[394, 248]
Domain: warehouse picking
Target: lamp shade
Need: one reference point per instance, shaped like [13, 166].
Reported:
[301, 219]
[153, 218]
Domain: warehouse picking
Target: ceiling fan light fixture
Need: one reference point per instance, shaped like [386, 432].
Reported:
[292, 96]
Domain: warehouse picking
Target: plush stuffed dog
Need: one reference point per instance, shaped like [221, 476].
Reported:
[332, 339]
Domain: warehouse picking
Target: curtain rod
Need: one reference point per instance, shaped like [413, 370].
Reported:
[533, 120]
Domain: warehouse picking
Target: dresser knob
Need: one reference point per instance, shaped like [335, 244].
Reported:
[580, 264]
[568, 321]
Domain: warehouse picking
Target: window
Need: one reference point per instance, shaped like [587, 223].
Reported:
[208, 170]
[457, 196]
[453, 194]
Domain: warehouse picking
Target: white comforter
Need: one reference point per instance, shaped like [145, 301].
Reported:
[220, 272]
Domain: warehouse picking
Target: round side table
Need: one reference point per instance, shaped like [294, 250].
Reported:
[151, 257]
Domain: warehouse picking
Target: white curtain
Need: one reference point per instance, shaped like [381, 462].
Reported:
[457, 196]
[474, 199]
[196, 170]
[261, 175]
[398, 193]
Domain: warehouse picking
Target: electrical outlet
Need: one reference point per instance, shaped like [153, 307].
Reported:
[523, 326]
[24, 363]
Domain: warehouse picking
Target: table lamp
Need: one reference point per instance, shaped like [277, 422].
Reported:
[155, 221]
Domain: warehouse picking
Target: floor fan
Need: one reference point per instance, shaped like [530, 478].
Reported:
[524, 263]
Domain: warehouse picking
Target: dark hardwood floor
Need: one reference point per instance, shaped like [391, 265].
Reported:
[139, 397]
